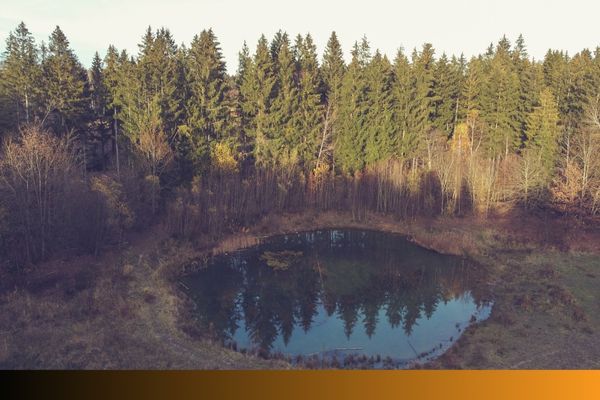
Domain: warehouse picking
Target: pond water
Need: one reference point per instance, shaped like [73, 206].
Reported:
[344, 298]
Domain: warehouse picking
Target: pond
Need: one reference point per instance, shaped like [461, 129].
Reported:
[339, 297]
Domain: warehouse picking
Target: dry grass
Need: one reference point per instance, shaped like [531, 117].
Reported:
[118, 311]
[124, 310]
[544, 316]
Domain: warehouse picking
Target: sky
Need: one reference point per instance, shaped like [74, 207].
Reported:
[452, 26]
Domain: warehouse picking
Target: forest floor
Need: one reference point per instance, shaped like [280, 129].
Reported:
[124, 308]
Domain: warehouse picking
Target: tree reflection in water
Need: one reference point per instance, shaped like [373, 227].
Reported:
[296, 293]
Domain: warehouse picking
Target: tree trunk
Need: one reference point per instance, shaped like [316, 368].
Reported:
[116, 129]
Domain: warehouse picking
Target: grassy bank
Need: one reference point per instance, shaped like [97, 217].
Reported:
[124, 309]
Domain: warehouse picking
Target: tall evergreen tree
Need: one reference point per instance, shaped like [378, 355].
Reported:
[581, 86]
[286, 133]
[244, 60]
[380, 126]
[447, 84]
[256, 92]
[472, 88]
[119, 82]
[401, 92]
[556, 77]
[206, 106]
[21, 73]
[421, 107]
[332, 71]
[500, 102]
[159, 74]
[98, 91]
[310, 111]
[65, 83]
[351, 136]
[543, 132]
[100, 132]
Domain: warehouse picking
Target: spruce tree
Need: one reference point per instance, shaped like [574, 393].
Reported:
[556, 77]
[206, 107]
[421, 107]
[21, 74]
[286, 133]
[543, 132]
[100, 131]
[447, 83]
[98, 91]
[472, 87]
[280, 39]
[159, 74]
[332, 72]
[380, 126]
[120, 82]
[351, 132]
[530, 82]
[310, 111]
[65, 83]
[256, 92]
[244, 61]
[500, 102]
[580, 87]
[401, 92]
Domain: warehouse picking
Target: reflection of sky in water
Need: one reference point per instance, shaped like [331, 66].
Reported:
[327, 332]
[411, 299]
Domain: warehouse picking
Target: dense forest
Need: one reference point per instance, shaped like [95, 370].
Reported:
[167, 135]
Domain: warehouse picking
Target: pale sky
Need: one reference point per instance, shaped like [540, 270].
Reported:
[452, 26]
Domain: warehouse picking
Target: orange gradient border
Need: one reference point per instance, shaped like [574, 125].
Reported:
[292, 385]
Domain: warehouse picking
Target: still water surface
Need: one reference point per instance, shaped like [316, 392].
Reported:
[354, 297]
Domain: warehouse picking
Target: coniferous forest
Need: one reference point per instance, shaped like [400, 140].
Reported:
[168, 135]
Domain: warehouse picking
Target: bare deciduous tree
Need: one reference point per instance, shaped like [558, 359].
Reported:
[36, 170]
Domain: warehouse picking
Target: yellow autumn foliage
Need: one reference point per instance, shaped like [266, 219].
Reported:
[460, 139]
[223, 159]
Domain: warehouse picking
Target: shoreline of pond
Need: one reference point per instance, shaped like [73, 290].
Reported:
[481, 240]
[124, 309]
[333, 245]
